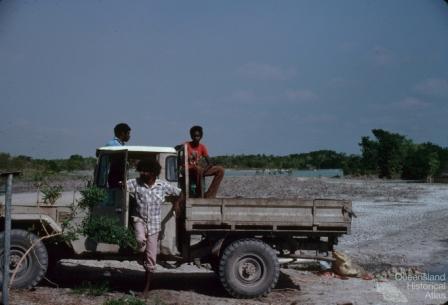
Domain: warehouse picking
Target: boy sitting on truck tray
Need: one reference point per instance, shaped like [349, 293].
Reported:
[197, 153]
[149, 194]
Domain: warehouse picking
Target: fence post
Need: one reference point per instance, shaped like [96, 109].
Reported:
[7, 235]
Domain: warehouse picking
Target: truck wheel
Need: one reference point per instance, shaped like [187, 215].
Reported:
[248, 268]
[33, 267]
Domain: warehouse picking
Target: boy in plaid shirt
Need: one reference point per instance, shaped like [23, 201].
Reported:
[149, 194]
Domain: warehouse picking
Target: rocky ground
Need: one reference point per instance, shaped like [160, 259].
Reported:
[400, 229]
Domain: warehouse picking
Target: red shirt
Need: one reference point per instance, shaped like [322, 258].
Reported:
[196, 153]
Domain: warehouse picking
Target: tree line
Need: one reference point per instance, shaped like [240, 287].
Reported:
[321, 159]
[26, 163]
[386, 155]
[391, 155]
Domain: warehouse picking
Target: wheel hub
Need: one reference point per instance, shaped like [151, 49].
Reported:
[249, 269]
[14, 261]
[14, 258]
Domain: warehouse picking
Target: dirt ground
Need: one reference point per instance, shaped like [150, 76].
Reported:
[294, 287]
[400, 226]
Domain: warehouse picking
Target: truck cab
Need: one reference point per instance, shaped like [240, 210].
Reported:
[116, 164]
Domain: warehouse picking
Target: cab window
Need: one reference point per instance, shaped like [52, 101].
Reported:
[171, 168]
[110, 171]
[103, 171]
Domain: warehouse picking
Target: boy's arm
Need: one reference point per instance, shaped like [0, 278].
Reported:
[205, 155]
[177, 204]
[178, 197]
[130, 186]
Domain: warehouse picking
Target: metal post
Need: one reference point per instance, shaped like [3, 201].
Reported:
[7, 237]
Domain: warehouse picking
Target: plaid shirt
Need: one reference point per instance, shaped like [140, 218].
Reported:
[149, 200]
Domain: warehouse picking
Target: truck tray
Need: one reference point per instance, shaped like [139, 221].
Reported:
[269, 214]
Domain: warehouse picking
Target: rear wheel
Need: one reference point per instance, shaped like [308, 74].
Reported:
[248, 268]
[34, 265]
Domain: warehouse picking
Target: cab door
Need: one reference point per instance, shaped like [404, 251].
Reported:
[111, 175]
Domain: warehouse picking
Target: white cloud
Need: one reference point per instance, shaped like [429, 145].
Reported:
[301, 95]
[412, 103]
[434, 87]
[266, 72]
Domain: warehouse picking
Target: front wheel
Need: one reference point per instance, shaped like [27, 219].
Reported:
[33, 267]
[248, 268]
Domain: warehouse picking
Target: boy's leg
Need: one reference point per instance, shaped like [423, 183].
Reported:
[140, 233]
[150, 259]
[151, 252]
[218, 174]
[196, 174]
[148, 276]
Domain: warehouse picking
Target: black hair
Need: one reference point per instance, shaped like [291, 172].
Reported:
[149, 165]
[122, 127]
[196, 128]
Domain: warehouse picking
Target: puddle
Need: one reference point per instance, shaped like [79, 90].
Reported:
[440, 261]
[438, 269]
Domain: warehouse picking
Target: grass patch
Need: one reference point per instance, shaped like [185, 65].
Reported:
[91, 289]
[134, 301]
[125, 301]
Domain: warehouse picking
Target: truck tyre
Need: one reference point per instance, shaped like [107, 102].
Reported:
[248, 268]
[33, 267]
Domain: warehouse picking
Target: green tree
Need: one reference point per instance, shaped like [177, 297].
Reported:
[20, 162]
[422, 162]
[75, 162]
[4, 160]
[369, 160]
[392, 150]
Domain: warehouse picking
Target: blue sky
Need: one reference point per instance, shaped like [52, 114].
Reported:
[273, 77]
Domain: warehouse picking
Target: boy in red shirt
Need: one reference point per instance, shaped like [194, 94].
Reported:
[197, 155]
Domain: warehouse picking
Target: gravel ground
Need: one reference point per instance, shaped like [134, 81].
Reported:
[398, 225]
[69, 181]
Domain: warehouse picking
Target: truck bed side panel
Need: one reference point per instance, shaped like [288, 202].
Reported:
[307, 215]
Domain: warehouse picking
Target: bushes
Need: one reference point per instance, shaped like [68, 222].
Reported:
[91, 197]
[388, 155]
[103, 229]
[321, 159]
[392, 155]
[26, 163]
[108, 230]
[51, 193]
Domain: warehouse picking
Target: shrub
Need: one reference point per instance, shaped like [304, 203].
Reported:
[51, 193]
[92, 196]
[108, 230]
